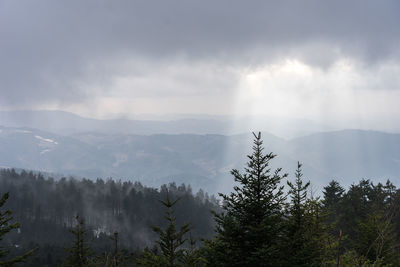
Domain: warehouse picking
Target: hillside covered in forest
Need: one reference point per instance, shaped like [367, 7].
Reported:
[267, 216]
[203, 161]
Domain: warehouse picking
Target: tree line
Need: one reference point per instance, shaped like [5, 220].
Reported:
[269, 219]
[46, 209]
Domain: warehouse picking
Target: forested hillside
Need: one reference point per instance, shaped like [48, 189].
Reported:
[46, 210]
[270, 218]
[203, 161]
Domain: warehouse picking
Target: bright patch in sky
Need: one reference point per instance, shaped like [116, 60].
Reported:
[328, 61]
[344, 91]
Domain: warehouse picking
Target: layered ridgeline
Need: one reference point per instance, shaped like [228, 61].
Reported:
[61, 122]
[204, 161]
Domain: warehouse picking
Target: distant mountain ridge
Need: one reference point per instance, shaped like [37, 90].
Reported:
[66, 123]
[204, 161]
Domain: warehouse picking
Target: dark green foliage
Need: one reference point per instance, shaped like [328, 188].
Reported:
[320, 246]
[6, 225]
[373, 238]
[299, 238]
[297, 205]
[249, 231]
[192, 256]
[80, 253]
[333, 196]
[46, 209]
[307, 238]
[366, 214]
[256, 225]
[170, 240]
[117, 258]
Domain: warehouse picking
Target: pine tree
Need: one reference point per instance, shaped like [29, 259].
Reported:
[5, 227]
[249, 230]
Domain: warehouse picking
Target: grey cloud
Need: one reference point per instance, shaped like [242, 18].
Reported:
[48, 49]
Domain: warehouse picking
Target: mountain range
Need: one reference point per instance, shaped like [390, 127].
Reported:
[66, 123]
[201, 160]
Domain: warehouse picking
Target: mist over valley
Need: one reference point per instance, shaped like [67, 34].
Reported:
[97, 148]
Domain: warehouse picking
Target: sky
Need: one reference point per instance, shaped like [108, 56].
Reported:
[328, 61]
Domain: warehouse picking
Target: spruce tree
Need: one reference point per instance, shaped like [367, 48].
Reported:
[170, 240]
[249, 230]
[119, 257]
[80, 251]
[298, 198]
[299, 240]
[375, 240]
[333, 206]
[333, 194]
[192, 256]
[5, 227]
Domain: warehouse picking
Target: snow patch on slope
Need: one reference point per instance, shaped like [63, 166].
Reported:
[46, 139]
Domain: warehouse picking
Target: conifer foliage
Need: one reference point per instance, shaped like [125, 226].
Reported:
[5, 227]
[300, 223]
[257, 224]
[80, 251]
[170, 239]
[249, 229]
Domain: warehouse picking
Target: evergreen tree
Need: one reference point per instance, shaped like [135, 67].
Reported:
[375, 237]
[170, 240]
[333, 194]
[298, 236]
[249, 230]
[192, 256]
[321, 246]
[80, 252]
[119, 257]
[332, 206]
[298, 198]
[5, 227]
[308, 240]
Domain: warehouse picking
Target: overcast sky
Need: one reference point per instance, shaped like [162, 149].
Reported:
[321, 60]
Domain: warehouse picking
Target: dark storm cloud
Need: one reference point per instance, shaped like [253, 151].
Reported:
[49, 50]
